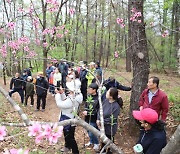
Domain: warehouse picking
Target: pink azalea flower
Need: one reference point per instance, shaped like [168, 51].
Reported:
[2, 30]
[122, 25]
[116, 55]
[34, 129]
[119, 20]
[38, 42]
[36, 23]
[50, 1]
[133, 10]
[9, 1]
[71, 11]
[39, 138]
[20, 9]
[45, 44]
[59, 35]
[13, 151]
[11, 25]
[62, 27]
[18, 151]
[139, 21]
[3, 50]
[26, 48]
[66, 32]
[2, 132]
[47, 130]
[53, 138]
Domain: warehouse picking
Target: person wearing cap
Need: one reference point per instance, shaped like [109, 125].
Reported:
[29, 90]
[90, 113]
[153, 135]
[17, 85]
[89, 75]
[154, 98]
[69, 107]
[42, 86]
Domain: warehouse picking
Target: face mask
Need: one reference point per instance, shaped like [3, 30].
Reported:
[38, 77]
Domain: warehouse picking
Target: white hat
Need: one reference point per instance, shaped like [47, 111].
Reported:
[71, 76]
[74, 85]
[29, 77]
[91, 63]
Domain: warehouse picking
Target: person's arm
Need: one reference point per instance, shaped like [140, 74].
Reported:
[11, 83]
[121, 87]
[155, 147]
[141, 101]
[62, 103]
[165, 108]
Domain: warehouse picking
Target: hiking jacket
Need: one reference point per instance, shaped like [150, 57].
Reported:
[152, 141]
[159, 103]
[66, 104]
[41, 86]
[110, 115]
[18, 83]
[29, 88]
[92, 109]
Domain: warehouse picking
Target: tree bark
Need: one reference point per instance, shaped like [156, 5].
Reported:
[140, 59]
[174, 143]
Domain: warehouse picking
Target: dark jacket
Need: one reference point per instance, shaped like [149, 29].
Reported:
[63, 68]
[17, 83]
[152, 141]
[110, 115]
[92, 109]
[159, 103]
[48, 71]
[113, 83]
[29, 88]
[41, 86]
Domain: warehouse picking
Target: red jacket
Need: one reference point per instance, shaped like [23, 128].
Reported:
[159, 103]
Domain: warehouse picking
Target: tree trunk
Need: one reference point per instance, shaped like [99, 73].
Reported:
[87, 27]
[129, 50]
[102, 31]
[140, 59]
[174, 143]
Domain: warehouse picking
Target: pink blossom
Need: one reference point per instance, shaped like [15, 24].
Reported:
[122, 25]
[54, 60]
[24, 40]
[45, 44]
[18, 151]
[166, 33]
[11, 25]
[119, 20]
[53, 9]
[26, 48]
[32, 54]
[47, 130]
[9, 1]
[133, 10]
[59, 35]
[34, 129]
[53, 138]
[71, 11]
[62, 27]
[3, 50]
[66, 31]
[2, 30]
[20, 9]
[116, 55]
[39, 138]
[139, 21]
[50, 1]
[36, 23]
[38, 42]
[2, 132]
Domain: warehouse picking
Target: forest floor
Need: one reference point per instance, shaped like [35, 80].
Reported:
[17, 137]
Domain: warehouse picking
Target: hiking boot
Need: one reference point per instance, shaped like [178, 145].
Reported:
[43, 110]
[64, 149]
[36, 110]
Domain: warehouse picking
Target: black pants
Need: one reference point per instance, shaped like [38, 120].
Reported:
[32, 99]
[70, 141]
[39, 98]
[111, 138]
[21, 93]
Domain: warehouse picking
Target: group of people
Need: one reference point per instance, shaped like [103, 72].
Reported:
[74, 85]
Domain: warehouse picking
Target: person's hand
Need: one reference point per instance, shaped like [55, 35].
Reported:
[140, 108]
[56, 91]
[85, 113]
[98, 123]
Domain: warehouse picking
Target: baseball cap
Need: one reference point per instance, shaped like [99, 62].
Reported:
[91, 63]
[93, 86]
[146, 114]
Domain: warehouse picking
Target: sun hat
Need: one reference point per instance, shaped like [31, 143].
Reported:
[146, 114]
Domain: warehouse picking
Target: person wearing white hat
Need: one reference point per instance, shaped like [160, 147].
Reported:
[69, 105]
